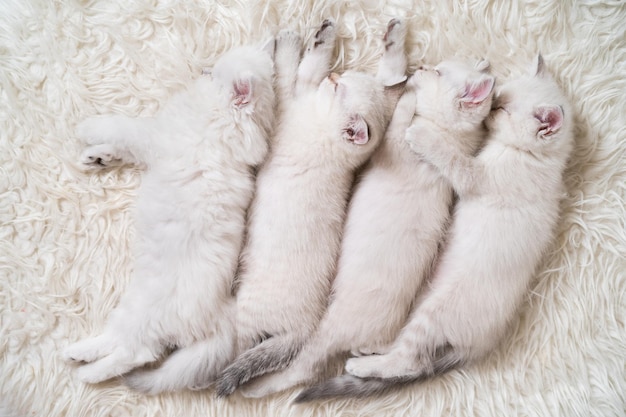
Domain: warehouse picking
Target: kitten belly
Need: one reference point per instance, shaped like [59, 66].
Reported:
[387, 250]
[289, 259]
[186, 255]
[485, 270]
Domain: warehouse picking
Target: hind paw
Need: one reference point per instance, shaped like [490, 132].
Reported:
[100, 157]
[366, 366]
[86, 350]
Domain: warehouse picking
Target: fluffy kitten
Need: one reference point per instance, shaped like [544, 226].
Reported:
[508, 207]
[199, 151]
[396, 219]
[329, 127]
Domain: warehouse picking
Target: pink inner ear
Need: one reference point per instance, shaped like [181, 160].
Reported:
[357, 131]
[242, 92]
[550, 117]
[477, 92]
[360, 137]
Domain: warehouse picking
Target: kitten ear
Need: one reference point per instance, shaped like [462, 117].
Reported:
[482, 65]
[242, 91]
[356, 130]
[477, 91]
[550, 119]
[270, 46]
[539, 66]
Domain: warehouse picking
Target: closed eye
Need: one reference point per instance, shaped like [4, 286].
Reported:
[504, 109]
[334, 79]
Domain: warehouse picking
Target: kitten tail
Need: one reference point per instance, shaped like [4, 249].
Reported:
[273, 354]
[194, 367]
[355, 387]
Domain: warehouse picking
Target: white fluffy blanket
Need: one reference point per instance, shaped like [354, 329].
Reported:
[64, 235]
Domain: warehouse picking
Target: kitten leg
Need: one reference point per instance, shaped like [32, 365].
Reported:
[277, 382]
[462, 171]
[375, 349]
[301, 370]
[390, 365]
[316, 62]
[89, 350]
[194, 367]
[414, 354]
[286, 60]
[119, 362]
[321, 347]
[110, 354]
[113, 141]
[392, 65]
[271, 355]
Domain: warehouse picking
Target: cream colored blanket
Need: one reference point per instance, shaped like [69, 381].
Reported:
[64, 235]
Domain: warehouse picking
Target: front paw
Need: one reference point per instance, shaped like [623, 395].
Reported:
[99, 157]
[326, 35]
[395, 35]
[288, 41]
[420, 139]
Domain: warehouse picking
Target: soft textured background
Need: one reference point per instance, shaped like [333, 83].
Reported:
[64, 236]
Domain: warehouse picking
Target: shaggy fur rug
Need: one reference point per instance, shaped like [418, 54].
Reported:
[64, 235]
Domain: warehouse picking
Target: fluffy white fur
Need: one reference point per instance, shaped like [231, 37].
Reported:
[396, 221]
[507, 212]
[65, 236]
[199, 150]
[329, 126]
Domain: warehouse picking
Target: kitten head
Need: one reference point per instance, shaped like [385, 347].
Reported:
[532, 114]
[454, 94]
[245, 75]
[356, 105]
[242, 86]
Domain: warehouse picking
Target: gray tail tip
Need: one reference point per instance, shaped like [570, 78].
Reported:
[224, 387]
[306, 396]
[345, 386]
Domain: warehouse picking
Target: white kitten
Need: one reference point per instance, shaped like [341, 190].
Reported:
[199, 150]
[508, 206]
[329, 127]
[397, 218]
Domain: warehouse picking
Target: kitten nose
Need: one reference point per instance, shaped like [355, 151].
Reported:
[334, 77]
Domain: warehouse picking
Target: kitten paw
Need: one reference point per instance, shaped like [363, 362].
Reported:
[365, 366]
[326, 35]
[91, 375]
[87, 350]
[395, 35]
[392, 66]
[255, 390]
[419, 139]
[146, 382]
[369, 350]
[288, 40]
[99, 157]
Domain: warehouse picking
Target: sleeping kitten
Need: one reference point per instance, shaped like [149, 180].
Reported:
[199, 150]
[396, 219]
[329, 127]
[508, 207]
